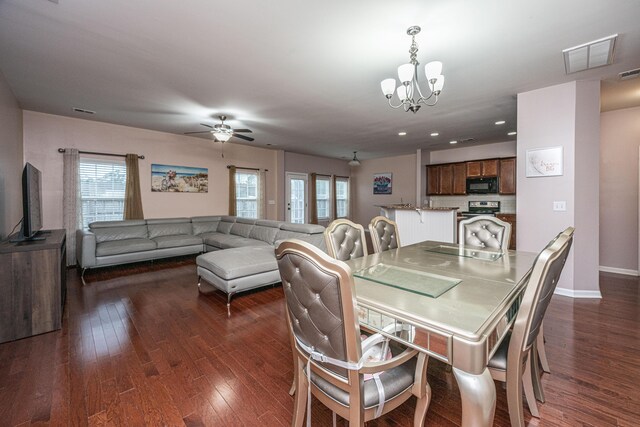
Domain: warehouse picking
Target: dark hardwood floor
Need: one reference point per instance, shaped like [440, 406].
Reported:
[140, 346]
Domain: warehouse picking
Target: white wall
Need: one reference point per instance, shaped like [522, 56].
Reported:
[474, 152]
[45, 133]
[364, 201]
[619, 142]
[11, 159]
[565, 115]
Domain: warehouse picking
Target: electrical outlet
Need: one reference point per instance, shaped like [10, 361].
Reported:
[271, 202]
[560, 206]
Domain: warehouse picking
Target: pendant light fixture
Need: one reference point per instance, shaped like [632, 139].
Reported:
[354, 161]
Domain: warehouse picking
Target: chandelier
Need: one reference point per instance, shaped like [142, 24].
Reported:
[409, 92]
[354, 161]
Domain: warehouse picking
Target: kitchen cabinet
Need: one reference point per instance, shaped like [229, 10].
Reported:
[440, 180]
[459, 179]
[508, 176]
[511, 219]
[480, 168]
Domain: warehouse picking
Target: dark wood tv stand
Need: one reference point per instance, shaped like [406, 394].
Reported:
[33, 284]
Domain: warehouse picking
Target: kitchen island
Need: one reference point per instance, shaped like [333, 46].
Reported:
[417, 224]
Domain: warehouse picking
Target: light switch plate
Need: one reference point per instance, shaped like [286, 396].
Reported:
[560, 206]
[271, 202]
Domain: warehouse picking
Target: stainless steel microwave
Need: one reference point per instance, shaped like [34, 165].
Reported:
[487, 185]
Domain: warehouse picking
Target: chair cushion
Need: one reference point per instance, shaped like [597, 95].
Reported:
[484, 233]
[124, 246]
[394, 381]
[499, 359]
[386, 235]
[177, 241]
[239, 262]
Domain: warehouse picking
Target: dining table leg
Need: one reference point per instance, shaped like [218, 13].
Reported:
[478, 394]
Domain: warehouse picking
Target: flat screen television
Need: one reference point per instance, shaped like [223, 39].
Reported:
[31, 203]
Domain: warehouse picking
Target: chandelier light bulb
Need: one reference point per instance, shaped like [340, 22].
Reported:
[388, 87]
[439, 84]
[402, 93]
[405, 73]
[433, 69]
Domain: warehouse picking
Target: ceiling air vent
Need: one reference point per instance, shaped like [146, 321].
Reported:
[590, 55]
[467, 140]
[630, 74]
[82, 110]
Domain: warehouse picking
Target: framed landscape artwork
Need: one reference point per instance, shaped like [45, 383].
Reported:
[382, 183]
[543, 162]
[179, 179]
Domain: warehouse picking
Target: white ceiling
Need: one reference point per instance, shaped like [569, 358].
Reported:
[305, 77]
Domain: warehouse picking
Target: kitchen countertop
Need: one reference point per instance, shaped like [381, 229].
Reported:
[413, 208]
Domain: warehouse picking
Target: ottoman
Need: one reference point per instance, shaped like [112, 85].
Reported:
[236, 270]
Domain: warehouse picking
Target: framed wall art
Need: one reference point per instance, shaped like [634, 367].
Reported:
[179, 179]
[382, 183]
[543, 162]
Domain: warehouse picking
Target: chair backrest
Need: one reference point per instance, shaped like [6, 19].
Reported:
[384, 234]
[485, 231]
[345, 240]
[542, 283]
[320, 303]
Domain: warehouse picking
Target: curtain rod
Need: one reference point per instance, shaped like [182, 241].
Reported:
[62, 150]
[249, 169]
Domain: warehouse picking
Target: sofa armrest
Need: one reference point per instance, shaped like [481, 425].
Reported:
[86, 248]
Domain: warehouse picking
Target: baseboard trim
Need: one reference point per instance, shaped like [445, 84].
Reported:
[578, 294]
[616, 270]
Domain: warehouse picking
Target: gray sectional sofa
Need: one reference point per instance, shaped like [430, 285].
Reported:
[108, 243]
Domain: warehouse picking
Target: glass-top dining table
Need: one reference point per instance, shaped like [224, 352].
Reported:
[452, 302]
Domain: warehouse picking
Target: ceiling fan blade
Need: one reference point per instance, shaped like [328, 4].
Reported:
[243, 130]
[246, 138]
[191, 133]
[206, 125]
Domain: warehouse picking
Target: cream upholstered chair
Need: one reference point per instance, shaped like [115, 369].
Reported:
[485, 231]
[331, 363]
[512, 361]
[345, 240]
[384, 234]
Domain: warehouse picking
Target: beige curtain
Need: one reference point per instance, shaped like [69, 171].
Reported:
[232, 190]
[132, 195]
[334, 199]
[262, 198]
[71, 200]
[313, 200]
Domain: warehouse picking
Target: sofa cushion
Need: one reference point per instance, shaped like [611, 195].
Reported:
[224, 227]
[177, 241]
[124, 246]
[224, 241]
[169, 227]
[204, 224]
[239, 262]
[119, 223]
[242, 228]
[264, 233]
[303, 228]
[114, 233]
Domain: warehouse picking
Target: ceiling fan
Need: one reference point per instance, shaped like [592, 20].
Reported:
[222, 132]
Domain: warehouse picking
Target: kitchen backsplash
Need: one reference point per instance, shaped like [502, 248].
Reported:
[507, 203]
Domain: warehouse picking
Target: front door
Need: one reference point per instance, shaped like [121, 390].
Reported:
[296, 197]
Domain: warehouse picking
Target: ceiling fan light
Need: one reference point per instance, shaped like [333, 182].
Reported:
[388, 87]
[433, 69]
[405, 73]
[222, 136]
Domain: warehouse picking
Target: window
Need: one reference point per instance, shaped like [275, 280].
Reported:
[102, 185]
[247, 194]
[342, 197]
[323, 199]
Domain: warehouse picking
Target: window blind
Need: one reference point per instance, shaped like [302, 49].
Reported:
[102, 187]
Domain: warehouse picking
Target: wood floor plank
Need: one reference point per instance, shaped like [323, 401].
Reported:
[140, 346]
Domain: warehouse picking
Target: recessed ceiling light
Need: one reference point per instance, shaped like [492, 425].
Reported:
[435, 134]
[512, 133]
[402, 133]
[500, 122]
[453, 142]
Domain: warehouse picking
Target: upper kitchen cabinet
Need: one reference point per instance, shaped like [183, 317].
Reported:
[459, 179]
[480, 168]
[508, 176]
[440, 180]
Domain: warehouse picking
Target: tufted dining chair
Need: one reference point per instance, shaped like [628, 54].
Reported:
[384, 234]
[512, 362]
[485, 231]
[333, 363]
[345, 240]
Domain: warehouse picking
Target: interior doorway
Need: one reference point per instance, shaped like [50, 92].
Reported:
[296, 197]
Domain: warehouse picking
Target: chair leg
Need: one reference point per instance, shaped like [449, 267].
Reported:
[535, 372]
[229, 296]
[527, 384]
[300, 401]
[542, 352]
[421, 407]
[514, 393]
